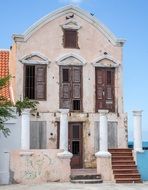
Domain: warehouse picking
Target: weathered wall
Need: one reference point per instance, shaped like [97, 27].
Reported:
[38, 166]
[48, 40]
[8, 144]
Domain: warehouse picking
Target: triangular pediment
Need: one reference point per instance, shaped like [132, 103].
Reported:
[34, 58]
[71, 59]
[71, 24]
[105, 61]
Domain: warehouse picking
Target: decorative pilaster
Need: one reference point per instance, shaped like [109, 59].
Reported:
[137, 119]
[25, 129]
[64, 134]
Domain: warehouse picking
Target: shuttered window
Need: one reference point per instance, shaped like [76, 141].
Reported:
[105, 89]
[71, 87]
[35, 82]
[70, 39]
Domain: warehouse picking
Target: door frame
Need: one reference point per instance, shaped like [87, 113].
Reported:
[58, 137]
[81, 142]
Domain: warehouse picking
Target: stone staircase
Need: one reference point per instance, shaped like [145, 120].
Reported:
[124, 167]
[85, 176]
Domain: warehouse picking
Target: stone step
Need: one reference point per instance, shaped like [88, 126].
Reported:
[86, 181]
[86, 176]
[120, 150]
[131, 176]
[129, 158]
[123, 162]
[128, 180]
[125, 171]
[121, 154]
[123, 166]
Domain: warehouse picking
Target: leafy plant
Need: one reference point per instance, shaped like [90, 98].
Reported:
[26, 103]
[6, 111]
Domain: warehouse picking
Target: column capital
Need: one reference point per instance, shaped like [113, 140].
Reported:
[65, 155]
[103, 112]
[137, 112]
[103, 154]
[64, 111]
[26, 111]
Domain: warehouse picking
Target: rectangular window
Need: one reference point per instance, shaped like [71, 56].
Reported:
[70, 39]
[35, 82]
[30, 82]
[76, 105]
[109, 77]
[75, 147]
[65, 75]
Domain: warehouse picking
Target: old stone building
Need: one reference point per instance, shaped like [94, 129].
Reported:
[72, 64]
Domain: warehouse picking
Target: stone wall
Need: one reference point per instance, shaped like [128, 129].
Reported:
[38, 166]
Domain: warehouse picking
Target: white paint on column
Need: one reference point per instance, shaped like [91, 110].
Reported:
[103, 131]
[25, 129]
[64, 134]
[137, 122]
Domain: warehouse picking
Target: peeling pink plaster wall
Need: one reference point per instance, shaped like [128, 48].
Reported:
[38, 166]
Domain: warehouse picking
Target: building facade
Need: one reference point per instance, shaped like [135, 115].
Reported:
[69, 60]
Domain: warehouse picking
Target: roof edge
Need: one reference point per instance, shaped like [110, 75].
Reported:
[82, 13]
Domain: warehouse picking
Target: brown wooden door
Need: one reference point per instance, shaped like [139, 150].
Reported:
[75, 142]
[105, 89]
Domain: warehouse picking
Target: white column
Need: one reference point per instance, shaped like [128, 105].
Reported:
[103, 131]
[137, 119]
[25, 129]
[64, 134]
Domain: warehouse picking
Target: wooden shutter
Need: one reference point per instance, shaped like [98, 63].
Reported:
[40, 81]
[65, 87]
[38, 134]
[76, 88]
[76, 82]
[100, 89]
[110, 89]
[105, 89]
[70, 39]
[70, 88]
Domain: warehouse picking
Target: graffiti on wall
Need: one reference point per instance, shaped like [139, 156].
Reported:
[35, 165]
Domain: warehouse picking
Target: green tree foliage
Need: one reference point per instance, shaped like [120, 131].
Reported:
[6, 111]
[26, 103]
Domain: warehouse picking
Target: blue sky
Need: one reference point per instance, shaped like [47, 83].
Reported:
[125, 18]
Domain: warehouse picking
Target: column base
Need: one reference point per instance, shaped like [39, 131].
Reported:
[103, 154]
[138, 150]
[104, 167]
[65, 155]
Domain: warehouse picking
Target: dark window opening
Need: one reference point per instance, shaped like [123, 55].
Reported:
[109, 77]
[75, 147]
[70, 39]
[76, 104]
[75, 131]
[65, 75]
[35, 82]
[30, 82]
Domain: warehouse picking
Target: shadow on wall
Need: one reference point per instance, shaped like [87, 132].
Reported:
[142, 163]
